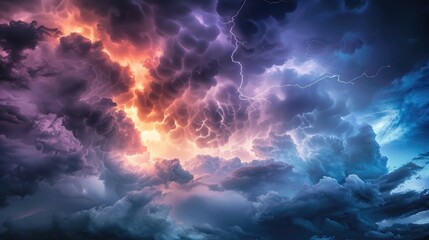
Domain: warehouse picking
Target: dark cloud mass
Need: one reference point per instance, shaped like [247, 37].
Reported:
[217, 119]
[17, 36]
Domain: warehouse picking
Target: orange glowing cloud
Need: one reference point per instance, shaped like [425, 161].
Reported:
[139, 59]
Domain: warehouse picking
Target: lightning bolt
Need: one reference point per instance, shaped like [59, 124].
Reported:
[236, 43]
[336, 77]
[259, 97]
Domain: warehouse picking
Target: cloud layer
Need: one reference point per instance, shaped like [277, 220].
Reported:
[276, 113]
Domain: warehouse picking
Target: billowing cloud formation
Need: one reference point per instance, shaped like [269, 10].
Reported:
[18, 36]
[217, 119]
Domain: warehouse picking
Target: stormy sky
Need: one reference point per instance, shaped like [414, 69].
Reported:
[214, 119]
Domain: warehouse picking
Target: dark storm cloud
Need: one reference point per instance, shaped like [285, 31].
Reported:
[171, 170]
[350, 208]
[386, 34]
[256, 26]
[95, 122]
[237, 175]
[409, 231]
[406, 95]
[220, 215]
[275, 147]
[325, 209]
[47, 152]
[322, 176]
[364, 156]
[135, 217]
[123, 20]
[24, 167]
[12, 122]
[255, 180]
[422, 156]
[49, 128]
[15, 37]
[403, 204]
[85, 79]
[18, 36]
[300, 107]
[119, 179]
[193, 59]
[354, 151]
[392, 180]
[187, 70]
[102, 125]
[325, 157]
[348, 49]
[209, 169]
[218, 119]
[104, 76]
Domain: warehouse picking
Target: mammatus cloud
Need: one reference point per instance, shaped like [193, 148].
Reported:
[212, 119]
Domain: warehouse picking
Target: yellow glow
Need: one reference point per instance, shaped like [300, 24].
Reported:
[151, 135]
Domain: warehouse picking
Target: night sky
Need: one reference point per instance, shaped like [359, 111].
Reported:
[214, 119]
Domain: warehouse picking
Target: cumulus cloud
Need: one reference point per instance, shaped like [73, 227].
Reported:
[253, 180]
[148, 219]
[171, 170]
[24, 167]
